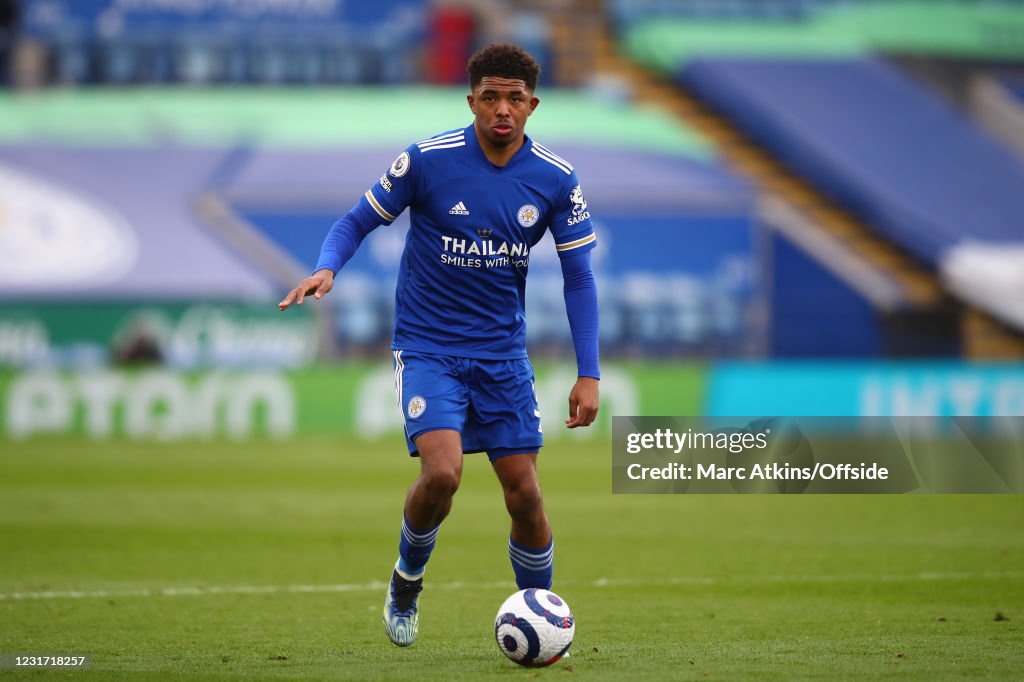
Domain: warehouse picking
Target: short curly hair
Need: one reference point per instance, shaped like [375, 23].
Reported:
[503, 60]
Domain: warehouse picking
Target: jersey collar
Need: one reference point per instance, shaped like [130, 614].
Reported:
[517, 158]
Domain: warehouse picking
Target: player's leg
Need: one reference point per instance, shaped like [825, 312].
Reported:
[504, 420]
[530, 546]
[433, 404]
[430, 497]
[427, 504]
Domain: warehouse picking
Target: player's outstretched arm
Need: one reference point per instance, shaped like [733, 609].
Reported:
[584, 399]
[340, 244]
[317, 284]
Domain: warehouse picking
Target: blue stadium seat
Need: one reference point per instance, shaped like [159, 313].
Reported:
[877, 142]
[72, 61]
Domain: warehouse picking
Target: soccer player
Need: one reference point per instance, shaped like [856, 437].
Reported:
[481, 198]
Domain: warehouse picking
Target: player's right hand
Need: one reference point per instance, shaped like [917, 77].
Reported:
[318, 284]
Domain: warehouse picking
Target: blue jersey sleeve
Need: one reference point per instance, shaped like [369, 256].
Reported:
[570, 221]
[581, 306]
[345, 237]
[398, 188]
[380, 205]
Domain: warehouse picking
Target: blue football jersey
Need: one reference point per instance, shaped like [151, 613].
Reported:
[462, 283]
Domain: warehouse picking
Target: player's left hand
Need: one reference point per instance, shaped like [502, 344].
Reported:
[583, 402]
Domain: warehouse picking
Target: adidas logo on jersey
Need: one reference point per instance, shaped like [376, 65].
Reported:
[459, 209]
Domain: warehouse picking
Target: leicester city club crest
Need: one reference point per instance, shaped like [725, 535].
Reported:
[417, 406]
[528, 215]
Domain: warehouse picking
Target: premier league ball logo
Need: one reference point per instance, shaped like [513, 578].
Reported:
[401, 165]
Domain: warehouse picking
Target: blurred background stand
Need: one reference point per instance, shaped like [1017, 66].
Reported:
[776, 185]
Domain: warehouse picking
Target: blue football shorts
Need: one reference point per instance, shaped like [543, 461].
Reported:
[492, 403]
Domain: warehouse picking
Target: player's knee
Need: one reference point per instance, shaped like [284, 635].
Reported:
[523, 500]
[442, 483]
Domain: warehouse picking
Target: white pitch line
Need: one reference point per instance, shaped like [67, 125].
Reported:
[459, 585]
[191, 591]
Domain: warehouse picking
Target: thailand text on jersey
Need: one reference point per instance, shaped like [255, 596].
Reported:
[462, 281]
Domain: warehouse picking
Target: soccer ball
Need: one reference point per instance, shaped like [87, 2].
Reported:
[534, 627]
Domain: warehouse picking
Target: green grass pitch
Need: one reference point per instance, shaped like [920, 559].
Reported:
[254, 561]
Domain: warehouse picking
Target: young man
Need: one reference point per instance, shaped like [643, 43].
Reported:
[480, 197]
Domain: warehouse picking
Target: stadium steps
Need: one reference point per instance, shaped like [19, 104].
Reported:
[982, 336]
[574, 26]
[987, 338]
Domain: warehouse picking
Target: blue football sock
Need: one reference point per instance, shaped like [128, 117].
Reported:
[533, 567]
[414, 548]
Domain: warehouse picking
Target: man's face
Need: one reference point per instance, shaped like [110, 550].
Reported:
[501, 107]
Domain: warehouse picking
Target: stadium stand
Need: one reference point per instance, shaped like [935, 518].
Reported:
[662, 35]
[945, 193]
[997, 103]
[8, 22]
[1016, 89]
[98, 41]
[243, 184]
[908, 299]
[273, 42]
[248, 186]
[838, 122]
